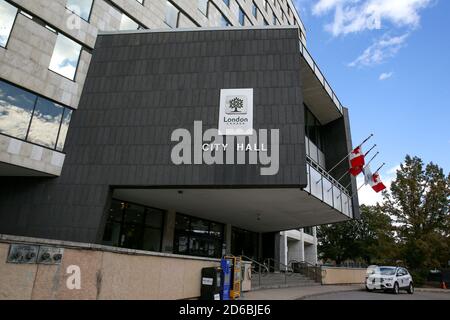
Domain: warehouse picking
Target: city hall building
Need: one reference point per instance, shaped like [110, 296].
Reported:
[194, 128]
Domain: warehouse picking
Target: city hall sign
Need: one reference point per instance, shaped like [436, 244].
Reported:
[234, 142]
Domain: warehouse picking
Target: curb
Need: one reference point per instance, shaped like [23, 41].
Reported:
[327, 293]
[433, 290]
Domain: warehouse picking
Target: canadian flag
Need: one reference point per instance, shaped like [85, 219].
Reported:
[376, 183]
[357, 161]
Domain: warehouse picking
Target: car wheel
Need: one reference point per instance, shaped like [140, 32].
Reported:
[411, 288]
[396, 288]
[368, 289]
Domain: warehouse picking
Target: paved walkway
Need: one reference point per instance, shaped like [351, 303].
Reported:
[298, 293]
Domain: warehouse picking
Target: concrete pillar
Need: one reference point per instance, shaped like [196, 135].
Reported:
[277, 252]
[169, 231]
[315, 252]
[302, 247]
[228, 235]
[283, 250]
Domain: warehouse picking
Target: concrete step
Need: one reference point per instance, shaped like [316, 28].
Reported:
[278, 280]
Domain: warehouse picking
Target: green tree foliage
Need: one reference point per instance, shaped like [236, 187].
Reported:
[419, 202]
[411, 226]
[369, 239]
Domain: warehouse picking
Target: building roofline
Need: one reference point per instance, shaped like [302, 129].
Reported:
[198, 29]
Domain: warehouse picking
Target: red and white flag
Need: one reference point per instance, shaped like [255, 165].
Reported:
[376, 183]
[357, 161]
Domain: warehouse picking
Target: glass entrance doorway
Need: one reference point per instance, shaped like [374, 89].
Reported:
[245, 243]
[134, 226]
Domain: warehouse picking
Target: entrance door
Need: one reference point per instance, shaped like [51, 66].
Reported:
[245, 243]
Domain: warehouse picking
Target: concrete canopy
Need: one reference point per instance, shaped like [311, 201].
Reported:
[257, 210]
[317, 93]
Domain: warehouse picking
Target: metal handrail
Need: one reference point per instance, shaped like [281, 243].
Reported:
[263, 266]
[309, 270]
[323, 172]
[288, 270]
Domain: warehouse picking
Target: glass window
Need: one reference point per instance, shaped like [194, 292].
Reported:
[134, 226]
[313, 129]
[45, 124]
[16, 109]
[171, 15]
[241, 16]
[227, 2]
[81, 8]
[8, 15]
[64, 129]
[152, 240]
[254, 10]
[126, 23]
[203, 6]
[65, 57]
[224, 21]
[26, 116]
[154, 218]
[198, 237]
[134, 214]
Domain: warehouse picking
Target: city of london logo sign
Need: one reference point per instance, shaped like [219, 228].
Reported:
[236, 112]
[236, 105]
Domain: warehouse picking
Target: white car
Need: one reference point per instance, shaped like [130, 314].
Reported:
[389, 279]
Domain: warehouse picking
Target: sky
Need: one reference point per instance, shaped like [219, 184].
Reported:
[389, 63]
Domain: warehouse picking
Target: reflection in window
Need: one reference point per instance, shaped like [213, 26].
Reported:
[198, 237]
[45, 125]
[126, 23]
[241, 16]
[64, 128]
[81, 8]
[8, 14]
[26, 116]
[16, 109]
[134, 227]
[171, 15]
[224, 22]
[65, 57]
[203, 6]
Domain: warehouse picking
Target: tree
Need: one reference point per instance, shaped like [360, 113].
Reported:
[370, 239]
[236, 104]
[419, 202]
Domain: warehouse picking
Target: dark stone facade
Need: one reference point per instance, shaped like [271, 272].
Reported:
[141, 87]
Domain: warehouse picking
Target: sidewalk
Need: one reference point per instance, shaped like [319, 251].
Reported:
[297, 293]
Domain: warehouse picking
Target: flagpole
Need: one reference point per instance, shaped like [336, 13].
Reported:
[373, 158]
[364, 168]
[381, 167]
[384, 163]
[337, 165]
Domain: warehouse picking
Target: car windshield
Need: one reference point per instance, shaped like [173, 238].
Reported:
[387, 271]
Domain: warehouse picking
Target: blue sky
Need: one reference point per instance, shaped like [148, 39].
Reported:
[389, 63]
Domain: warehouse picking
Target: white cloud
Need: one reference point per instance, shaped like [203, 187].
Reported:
[385, 76]
[352, 16]
[382, 49]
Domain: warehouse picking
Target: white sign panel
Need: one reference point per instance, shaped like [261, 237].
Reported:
[207, 281]
[236, 112]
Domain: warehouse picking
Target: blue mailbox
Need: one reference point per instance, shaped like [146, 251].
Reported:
[226, 278]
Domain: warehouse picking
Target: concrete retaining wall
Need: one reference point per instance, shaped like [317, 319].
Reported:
[332, 275]
[106, 273]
